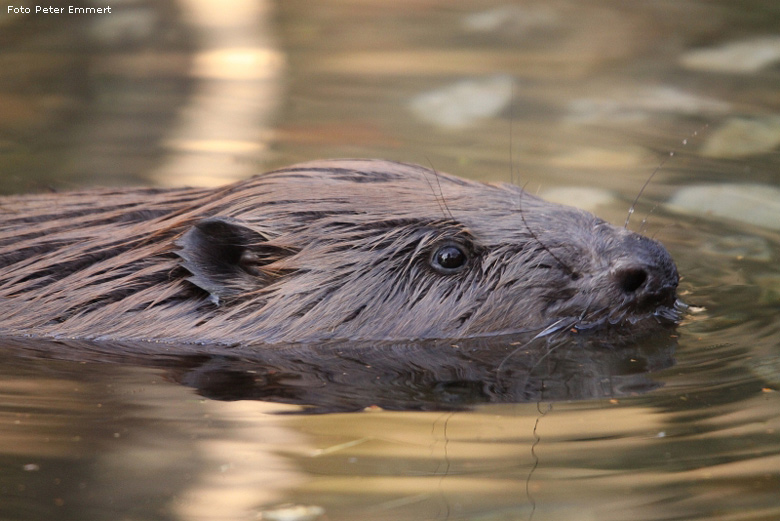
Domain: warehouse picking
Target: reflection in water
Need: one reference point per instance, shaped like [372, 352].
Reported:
[96, 93]
[126, 441]
[91, 442]
[221, 133]
[429, 375]
[121, 439]
[165, 92]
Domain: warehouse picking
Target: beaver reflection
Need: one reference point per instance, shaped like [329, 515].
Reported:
[429, 375]
[331, 250]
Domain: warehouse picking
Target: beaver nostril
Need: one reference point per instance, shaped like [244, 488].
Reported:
[631, 279]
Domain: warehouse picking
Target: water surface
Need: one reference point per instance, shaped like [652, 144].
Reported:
[579, 101]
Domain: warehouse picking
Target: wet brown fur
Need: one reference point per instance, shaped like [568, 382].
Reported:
[330, 249]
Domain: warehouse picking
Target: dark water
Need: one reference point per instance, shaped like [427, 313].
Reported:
[580, 101]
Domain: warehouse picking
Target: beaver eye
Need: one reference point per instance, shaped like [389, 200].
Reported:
[449, 258]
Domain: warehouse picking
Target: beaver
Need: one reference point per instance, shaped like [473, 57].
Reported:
[339, 249]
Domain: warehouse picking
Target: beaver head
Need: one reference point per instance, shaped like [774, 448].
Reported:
[352, 249]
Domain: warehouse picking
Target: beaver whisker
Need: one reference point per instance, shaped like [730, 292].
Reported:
[643, 225]
[556, 327]
[440, 196]
[642, 190]
[536, 237]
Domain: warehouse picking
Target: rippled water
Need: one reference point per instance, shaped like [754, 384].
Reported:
[580, 101]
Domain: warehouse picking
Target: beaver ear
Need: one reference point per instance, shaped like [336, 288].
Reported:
[226, 257]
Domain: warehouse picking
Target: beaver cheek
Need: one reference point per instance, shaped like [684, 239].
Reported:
[507, 309]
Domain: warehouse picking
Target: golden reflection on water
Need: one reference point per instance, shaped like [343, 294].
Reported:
[222, 133]
[243, 469]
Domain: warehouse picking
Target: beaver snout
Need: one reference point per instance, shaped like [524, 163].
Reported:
[648, 277]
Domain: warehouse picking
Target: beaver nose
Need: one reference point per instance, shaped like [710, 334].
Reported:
[630, 279]
[648, 274]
